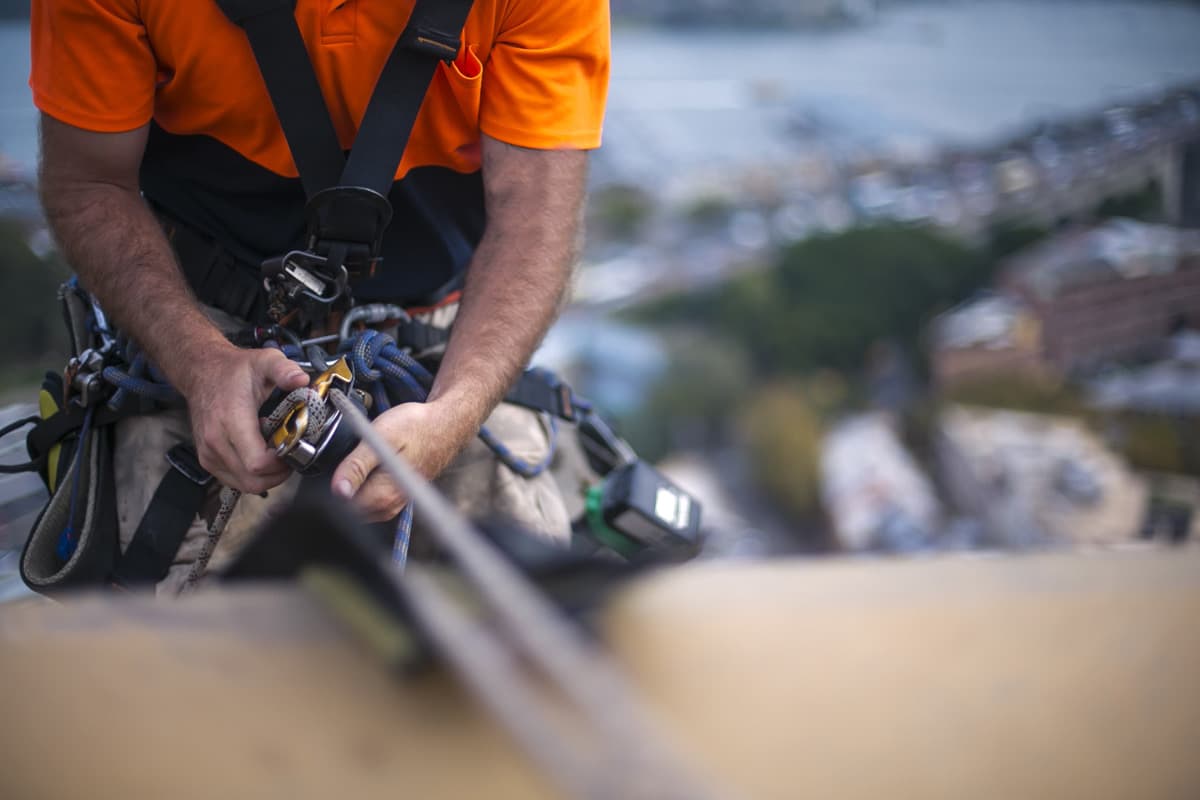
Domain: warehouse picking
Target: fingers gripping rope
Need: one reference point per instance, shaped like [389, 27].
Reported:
[393, 376]
[386, 371]
[318, 414]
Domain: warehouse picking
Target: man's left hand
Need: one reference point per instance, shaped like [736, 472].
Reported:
[424, 434]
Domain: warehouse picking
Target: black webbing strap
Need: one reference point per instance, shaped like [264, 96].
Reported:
[28, 466]
[432, 35]
[540, 390]
[53, 429]
[278, 47]
[421, 336]
[177, 500]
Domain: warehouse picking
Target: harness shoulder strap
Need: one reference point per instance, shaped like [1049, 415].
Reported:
[432, 35]
[279, 49]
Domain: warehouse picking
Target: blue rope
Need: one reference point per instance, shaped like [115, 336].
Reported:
[523, 468]
[393, 377]
[69, 538]
[403, 536]
[124, 381]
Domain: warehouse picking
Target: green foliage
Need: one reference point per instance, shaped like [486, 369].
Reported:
[1007, 238]
[689, 404]
[1159, 443]
[783, 430]
[708, 211]
[31, 323]
[1147, 442]
[1018, 392]
[1145, 205]
[827, 299]
[1151, 444]
[619, 212]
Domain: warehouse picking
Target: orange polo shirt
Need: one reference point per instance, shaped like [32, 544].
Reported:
[530, 73]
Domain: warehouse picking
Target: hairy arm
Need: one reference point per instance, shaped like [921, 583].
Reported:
[516, 281]
[514, 287]
[89, 189]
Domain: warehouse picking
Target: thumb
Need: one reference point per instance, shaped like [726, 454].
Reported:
[352, 473]
[280, 371]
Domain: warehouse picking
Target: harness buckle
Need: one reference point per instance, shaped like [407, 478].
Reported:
[304, 282]
[346, 226]
[83, 380]
[182, 458]
[345, 237]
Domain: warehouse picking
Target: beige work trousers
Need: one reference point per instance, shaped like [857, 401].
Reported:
[476, 483]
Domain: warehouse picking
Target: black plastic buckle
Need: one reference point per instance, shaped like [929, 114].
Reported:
[544, 391]
[432, 42]
[301, 273]
[182, 457]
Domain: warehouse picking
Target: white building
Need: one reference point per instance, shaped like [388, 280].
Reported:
[873, 491]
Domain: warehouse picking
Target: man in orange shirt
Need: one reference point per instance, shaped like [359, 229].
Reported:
[154, 113]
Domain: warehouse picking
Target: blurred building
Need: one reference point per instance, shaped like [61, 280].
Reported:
[1077, 301]
[995, 334]
[1110, 292]
[1036, 479]
[873, 491]
[1170, 386]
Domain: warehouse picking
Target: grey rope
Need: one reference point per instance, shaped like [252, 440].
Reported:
[229, 500]
[318, 415]
[633, 758]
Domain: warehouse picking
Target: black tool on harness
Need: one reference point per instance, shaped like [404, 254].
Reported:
[348, 210]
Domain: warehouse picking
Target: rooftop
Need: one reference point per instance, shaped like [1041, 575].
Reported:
[1118, 249]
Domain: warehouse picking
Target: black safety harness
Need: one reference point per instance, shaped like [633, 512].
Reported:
[347, 213]
[347, 210]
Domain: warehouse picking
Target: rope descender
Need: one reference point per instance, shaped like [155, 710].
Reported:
[305, 426]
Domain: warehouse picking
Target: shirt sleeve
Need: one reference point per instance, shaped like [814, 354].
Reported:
[92, 66]
[546, 79]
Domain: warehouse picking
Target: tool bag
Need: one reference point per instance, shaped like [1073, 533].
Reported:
[72, 449]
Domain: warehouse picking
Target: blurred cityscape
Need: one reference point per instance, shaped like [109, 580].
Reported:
[867, 323]
[865, 276]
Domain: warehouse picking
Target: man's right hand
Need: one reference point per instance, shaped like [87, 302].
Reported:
[224, 391]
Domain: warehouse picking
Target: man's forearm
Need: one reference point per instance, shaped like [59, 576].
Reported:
[121, 255]
[514, 285]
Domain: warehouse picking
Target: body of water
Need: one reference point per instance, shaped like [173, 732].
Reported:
[921, 73]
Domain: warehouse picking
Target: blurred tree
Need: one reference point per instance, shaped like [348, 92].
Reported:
[827, 299]
[690, 404]
[31, 323]
[783, 428]
[1006, 238]
[708, 211]
[619, 212]
[1145, 205]
[1152, 443]
[1018, 392]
